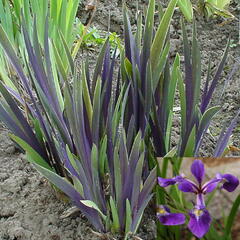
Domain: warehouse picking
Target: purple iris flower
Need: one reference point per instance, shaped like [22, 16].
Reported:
[167, 218]
[200, 218]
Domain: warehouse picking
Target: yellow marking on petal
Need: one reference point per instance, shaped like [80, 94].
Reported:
[198, 212]
[162, 211]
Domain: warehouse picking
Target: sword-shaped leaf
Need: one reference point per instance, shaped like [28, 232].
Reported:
[209, 91]
[224, 137]
[34, 157]
[75, 196]
[204, 123]
[161, 34]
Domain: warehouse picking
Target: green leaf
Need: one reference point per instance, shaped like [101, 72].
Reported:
[136, 147]
[161, 34]
[231, 217]
[9, 50]
[181, 89]
[218, 7]
[103, 156]
[98, 67]
[196, 67]
[38, 130]
[72, 9]
[170, 101]
[168, 130]
[59, 63]
[56, 80]
[17, 7]
[52, 115]
[96, 112]
[55, 9]
[77, 185]
[94, 160]
[189, 150]
[207, 116]
[137, 181]
[147, 103]
[117, 175]
[33, 156]
[128, 217]
[4, 75]
[160, 66]
[72, 159]
[114, 211]
[139, 30]
[171, 153]
[148, 31]
[93, 205]
[68, 53]
[86, 95]
[186, 8]
[173, 82]
[119, 107]
[128, 67]
[213, 234]
[60, 182]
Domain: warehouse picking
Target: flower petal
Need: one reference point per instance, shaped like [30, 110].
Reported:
[211, 185]
[197, 170]
[164, 182]
[200, 221]
[167, 218]
[230, 182]
[187, 186]
[172, 219]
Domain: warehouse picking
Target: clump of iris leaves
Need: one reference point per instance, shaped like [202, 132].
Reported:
[95, 136]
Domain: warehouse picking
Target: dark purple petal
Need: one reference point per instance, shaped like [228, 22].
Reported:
[210, 185]
[172, 219]
[167, 218]
[200, 221]
[197, 170]
[187, 186]
[164, 182]
[230, 182]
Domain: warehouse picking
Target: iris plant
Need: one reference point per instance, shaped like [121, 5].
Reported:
[72, 132]
[200, 218]
[153, 81]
